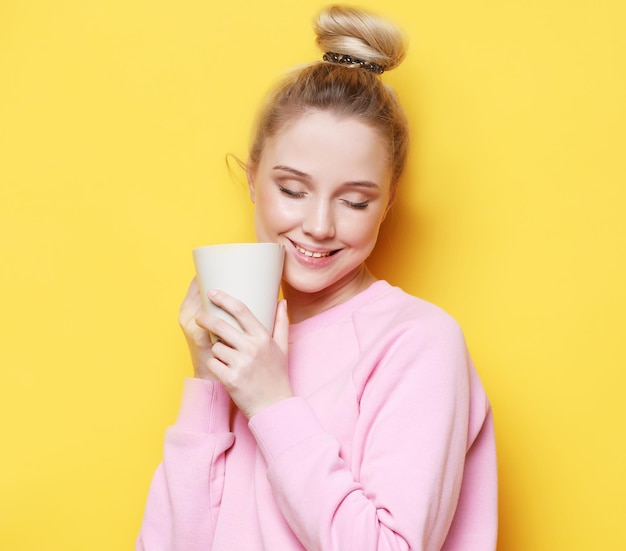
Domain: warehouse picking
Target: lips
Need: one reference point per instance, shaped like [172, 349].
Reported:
[313, 254]
[310, 254]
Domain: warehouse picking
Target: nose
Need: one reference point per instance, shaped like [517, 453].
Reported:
[319, 221]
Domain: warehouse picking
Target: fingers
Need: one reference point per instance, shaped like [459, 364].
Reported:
[251, 364]
[191, 304]
[224, 353]
[231, 341]
[198, 339]
[238, 310]
[193, 292]
[220, 328]
[219, 370]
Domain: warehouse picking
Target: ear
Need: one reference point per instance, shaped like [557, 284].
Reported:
[250, 176]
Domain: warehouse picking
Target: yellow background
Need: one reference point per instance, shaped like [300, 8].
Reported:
[115, 120]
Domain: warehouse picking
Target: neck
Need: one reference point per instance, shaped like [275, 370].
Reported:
[302, 306]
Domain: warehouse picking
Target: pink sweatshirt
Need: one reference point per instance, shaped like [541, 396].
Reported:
[388, 444]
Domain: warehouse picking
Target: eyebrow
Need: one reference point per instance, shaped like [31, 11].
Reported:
[305, 176]
[293, 171]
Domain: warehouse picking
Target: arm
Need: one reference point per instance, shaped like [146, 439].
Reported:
[401, 487]
[187, 487]
[186, 490]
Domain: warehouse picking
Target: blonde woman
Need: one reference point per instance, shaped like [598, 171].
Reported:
[360, 423]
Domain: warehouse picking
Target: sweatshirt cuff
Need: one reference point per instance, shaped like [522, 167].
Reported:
[205, 407]
[283, 425]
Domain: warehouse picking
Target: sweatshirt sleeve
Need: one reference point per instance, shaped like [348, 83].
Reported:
[186, 491]
[400, 488]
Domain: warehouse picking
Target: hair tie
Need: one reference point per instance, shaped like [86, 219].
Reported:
[343, 59]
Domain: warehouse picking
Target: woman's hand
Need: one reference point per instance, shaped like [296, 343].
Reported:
[198, 338]
[252, 365]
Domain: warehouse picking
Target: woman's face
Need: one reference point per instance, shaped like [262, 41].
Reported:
[322, 188]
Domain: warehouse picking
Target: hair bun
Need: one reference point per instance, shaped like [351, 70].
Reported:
[360, 34]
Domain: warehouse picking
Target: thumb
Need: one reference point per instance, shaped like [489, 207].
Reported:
[281, 326]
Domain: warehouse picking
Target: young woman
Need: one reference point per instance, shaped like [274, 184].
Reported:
[360, 423]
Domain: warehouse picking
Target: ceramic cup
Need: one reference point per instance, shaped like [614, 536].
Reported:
[250, 272]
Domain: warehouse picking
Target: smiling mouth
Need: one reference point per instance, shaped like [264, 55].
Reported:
[312, 254]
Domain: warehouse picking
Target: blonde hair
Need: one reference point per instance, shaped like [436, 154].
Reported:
[347, 90]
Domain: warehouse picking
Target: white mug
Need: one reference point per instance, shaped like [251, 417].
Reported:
[250, 272]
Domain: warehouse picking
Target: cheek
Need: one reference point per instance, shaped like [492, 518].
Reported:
[271, 215]
[362, 232]
[276, 205]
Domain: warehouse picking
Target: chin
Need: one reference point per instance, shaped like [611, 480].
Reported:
[308, 287]
[316, 283]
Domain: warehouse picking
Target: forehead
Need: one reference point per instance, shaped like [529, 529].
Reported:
[323, 143]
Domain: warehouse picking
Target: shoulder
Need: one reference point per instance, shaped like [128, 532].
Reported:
[406, 341]
[395, 312]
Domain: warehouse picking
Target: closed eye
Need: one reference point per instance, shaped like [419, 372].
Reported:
[290, 192]
[353, 205]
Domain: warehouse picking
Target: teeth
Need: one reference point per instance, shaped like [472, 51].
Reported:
[311, 253]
